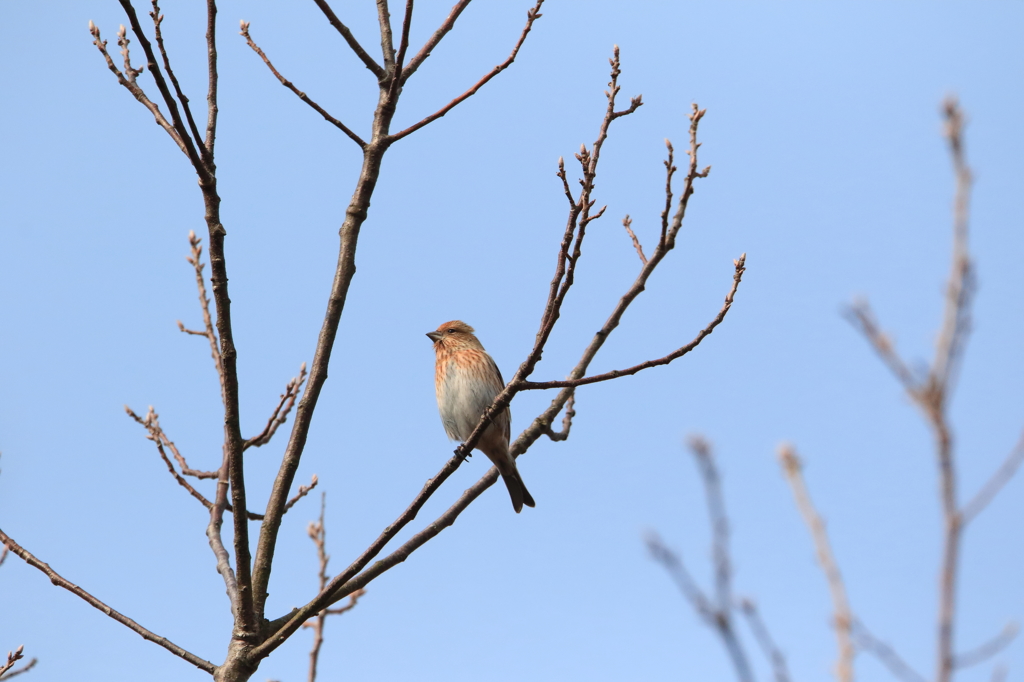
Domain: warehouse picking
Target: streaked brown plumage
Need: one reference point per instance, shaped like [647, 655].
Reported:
[467, 380]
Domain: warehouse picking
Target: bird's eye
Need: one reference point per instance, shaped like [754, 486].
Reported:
[450, 331]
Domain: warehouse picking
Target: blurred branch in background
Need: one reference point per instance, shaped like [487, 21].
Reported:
[931, 391]
[842, 619]
[718, 608]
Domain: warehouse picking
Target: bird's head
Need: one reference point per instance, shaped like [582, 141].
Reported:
[454, 335]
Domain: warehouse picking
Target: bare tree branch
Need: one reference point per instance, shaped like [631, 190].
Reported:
[299, 93]
[12, 658]
[24, 669]
[674, 566]
[59, 581]
[280, 414]
[387, 43]
[151, 422]
[863, 319]
[531, 16]
[960, 287]
[127, 79]
[195, 260]
[719, 523]
[570, 412]
[355, 577]
[246, 623]
[396, 80]
[678, 353]
[303, 491]
[670, 170]
[988, 649]
[373, 66]
[764, 639]
[717, 611]
[843, 617]
[157, 20]
[994, 484]
[318, 534]
[429, 46]
[627, 222]
[188, 144]
[865, 641]
[932, 393]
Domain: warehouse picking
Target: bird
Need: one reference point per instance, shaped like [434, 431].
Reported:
[467, 380]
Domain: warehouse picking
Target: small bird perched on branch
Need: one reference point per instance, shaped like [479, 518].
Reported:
[467, 380]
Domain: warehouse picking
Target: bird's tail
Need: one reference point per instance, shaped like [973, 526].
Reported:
[517, 489]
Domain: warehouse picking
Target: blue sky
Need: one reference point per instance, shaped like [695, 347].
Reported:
[828, 170]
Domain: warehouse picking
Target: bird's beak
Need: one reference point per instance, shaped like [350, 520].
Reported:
[434, 336]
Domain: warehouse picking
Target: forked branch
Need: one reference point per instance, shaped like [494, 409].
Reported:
[531, 16]
[299, 93]
[280, 414]
[715, 609]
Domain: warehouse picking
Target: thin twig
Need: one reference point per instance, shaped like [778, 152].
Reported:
[303, 491]
[988, 649]
[157, 20]
[570, 412]
[151, 422]
[531, 16]
[719, 523]
[299, 93]
[127, 80]
[24, 669]
[280, 414]
[403, 47]
[188, 144]
[843, 617]
[673, 564]
[934, 397]
[212, 78]
[994, 484]
[434, 39]
[317, 532]
[716, 611]
[678, 353]
[152, 425]
[373, 66]
[860, 315]
[670, 170]
[195, 259]
[764, 639]
[387, 43]
[627, 223]
[59, 581]
[886, 655]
